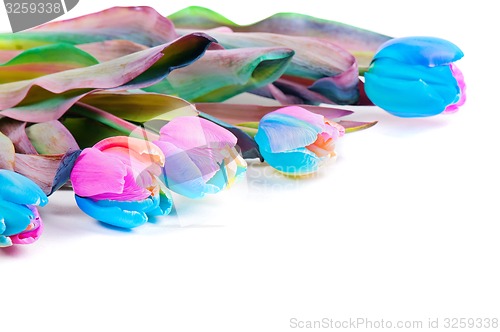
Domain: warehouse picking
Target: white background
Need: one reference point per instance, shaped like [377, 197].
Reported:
[402, 226]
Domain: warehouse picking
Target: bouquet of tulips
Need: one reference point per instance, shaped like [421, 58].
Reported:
[126, 105]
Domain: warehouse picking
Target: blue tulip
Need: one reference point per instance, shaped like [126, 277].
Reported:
[20, 222]
[416, 77]
[295, 141]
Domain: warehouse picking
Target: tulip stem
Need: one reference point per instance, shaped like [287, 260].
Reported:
[113, 121]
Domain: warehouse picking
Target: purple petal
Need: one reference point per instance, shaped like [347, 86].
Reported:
[190, 132]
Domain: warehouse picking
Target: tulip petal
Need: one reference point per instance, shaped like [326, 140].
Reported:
[362, 43]
[20, 190]
[104, 176]
[181, 174]
[294, 162]
[289, 128]
[164, 206]
[420, 99]
[5, 241]
[425, 51]
[96, 173]
[34, 232]
[245, 142]
[202, 133]
[16, 217]
[112, 215]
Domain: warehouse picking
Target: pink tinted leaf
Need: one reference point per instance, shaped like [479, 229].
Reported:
[141, 25]
[240, 113]
[314, 59]
[48, 97]
[44, 60]
[16, 132]
[111, 49]
[352, 126]
[49, 172]
[51, 137]
[140, 106]
[360, 42]
[7, 153]
[222, 74]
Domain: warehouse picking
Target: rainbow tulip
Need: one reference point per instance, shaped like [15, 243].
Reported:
[115, 181]
[20, 222]
[416, 77]
[296, 141]
[200, 157]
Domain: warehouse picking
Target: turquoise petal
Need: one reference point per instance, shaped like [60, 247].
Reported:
[18, 189]
[111, 215]
[296, 162]
[279, 133]
[411, 90]
[16, 217]
[427, 51]
[5, 241]
[163, 208]
[393, 96]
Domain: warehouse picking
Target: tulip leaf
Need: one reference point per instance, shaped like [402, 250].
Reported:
[142, 25]
[360, 42]
[140, 107]
[48, 97]
[240, 113]
[221, 74]
[333, 69]
[49, 172]
[16, 132]
[51, 137]
[111, 49]
[352, 126]
[44, 60]
[7, 153]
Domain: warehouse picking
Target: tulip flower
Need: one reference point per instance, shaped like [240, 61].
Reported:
[20, 222]
[296, 141]
[416, 77]
[200, 157]
[115, 181]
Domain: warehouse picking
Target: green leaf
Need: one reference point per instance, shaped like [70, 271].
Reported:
[222, 74]
[361, 43]
[352, 126]
[48, 97]
[140, 107]
[142, 25]
[44, 60]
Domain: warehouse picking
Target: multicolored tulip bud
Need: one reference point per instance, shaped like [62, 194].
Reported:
[20, 222]
[416, 77]
[115, 181]
[200, 157]
[296, 141]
